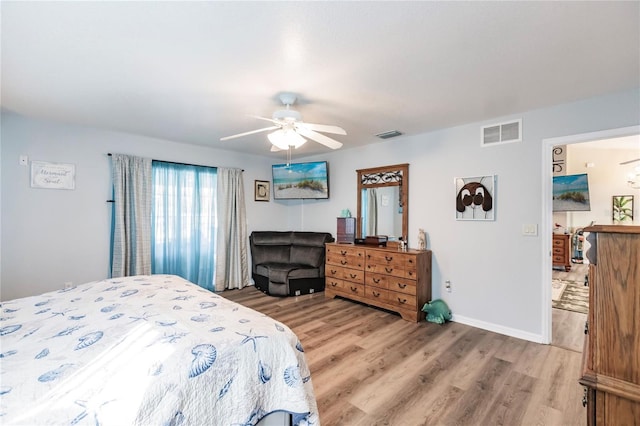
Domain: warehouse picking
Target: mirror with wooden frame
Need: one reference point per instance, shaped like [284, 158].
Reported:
[383, 202]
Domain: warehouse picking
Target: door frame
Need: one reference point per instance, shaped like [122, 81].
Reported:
[547, 206]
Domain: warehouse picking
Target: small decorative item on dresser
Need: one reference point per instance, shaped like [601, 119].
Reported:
[422, 239]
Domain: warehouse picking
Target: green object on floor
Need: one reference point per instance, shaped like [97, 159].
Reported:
[437, 311]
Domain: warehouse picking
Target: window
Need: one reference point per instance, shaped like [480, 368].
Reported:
[184, 222]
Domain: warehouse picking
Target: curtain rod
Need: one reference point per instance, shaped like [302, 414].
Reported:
[170, 162]
[174, 162]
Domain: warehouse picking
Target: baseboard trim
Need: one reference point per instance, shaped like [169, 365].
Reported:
[507, 331]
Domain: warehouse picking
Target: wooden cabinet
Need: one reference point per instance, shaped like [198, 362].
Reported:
[346, 230]
[611, 357]
[560, 251]
[398, 281]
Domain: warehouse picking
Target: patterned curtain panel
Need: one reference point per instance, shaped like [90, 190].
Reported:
[232, 270]
[131, 220]
[184, 221]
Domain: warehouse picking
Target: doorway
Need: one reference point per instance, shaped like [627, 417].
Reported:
[546, 227]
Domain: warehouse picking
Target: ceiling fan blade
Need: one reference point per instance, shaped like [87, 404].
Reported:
[249, 133]
[629, 162]
[323, 128]
[271, 120]
[322, 139]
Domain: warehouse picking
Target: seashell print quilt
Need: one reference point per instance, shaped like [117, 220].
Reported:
[147, 350]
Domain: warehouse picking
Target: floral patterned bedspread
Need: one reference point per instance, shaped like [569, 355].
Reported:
[147, 350]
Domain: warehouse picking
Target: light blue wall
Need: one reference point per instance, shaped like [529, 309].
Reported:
[49, 237]
[495, 271]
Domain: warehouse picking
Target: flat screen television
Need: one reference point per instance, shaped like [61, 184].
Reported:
[300, 180]
[571, 193]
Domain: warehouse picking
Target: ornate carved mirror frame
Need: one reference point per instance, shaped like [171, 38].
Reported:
[377, 177]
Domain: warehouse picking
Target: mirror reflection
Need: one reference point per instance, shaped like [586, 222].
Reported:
[382, 211]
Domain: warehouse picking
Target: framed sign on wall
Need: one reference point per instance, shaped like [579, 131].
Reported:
[53, 175]
[262, 190]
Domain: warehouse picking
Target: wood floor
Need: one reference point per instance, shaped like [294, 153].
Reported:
[370, 367]
[567, 326]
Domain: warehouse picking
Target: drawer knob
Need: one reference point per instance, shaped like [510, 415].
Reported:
[333, 271]
[353, 275]
[343, 262]
[402, 285]
[354, 289]
[343, 252]
[376, 280]
[389, 270]
[388, 258]
[376, 294]
[402, 300]
[333, 284]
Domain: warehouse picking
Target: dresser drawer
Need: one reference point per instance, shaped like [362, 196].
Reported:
[349, 261]
[333, 283]
[377, 280]
[354, 275]
[378, 268]
[374, 293]
[401, 285]
[345, 250]
[353, 288]
[389, 258]
[402, 300]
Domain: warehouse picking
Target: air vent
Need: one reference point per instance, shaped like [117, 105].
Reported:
[389, 134]
[497, 134]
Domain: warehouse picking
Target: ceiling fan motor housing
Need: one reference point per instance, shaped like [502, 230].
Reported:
[287, 115]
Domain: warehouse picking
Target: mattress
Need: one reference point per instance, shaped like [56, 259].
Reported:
[147, 350]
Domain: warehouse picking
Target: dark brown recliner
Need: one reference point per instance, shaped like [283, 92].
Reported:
[288, 263]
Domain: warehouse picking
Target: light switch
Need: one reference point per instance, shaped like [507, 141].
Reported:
[530, 229]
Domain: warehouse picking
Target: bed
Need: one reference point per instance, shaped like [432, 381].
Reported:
[147, 350]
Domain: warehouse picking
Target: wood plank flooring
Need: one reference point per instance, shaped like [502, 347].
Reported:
[568, 327]
[370, 367]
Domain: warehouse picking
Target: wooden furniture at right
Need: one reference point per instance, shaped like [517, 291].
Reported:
[611, 355]
[560, 251]
[392, 279]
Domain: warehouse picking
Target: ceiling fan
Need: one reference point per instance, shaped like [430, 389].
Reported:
[629, 162]
[290, 131]
[633, 177]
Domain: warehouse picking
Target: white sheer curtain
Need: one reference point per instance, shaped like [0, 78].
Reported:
[232, 266]
[131, 222]
[372, 211]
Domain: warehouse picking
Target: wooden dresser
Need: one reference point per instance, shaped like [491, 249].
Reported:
[611, 356]
[398, 281]
[561, 248]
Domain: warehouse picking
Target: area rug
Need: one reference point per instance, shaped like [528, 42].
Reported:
[573, 296]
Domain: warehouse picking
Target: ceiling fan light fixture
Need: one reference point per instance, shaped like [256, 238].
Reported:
[284, 138]
[633, 178]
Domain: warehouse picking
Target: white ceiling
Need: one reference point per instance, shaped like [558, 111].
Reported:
[192, 72]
